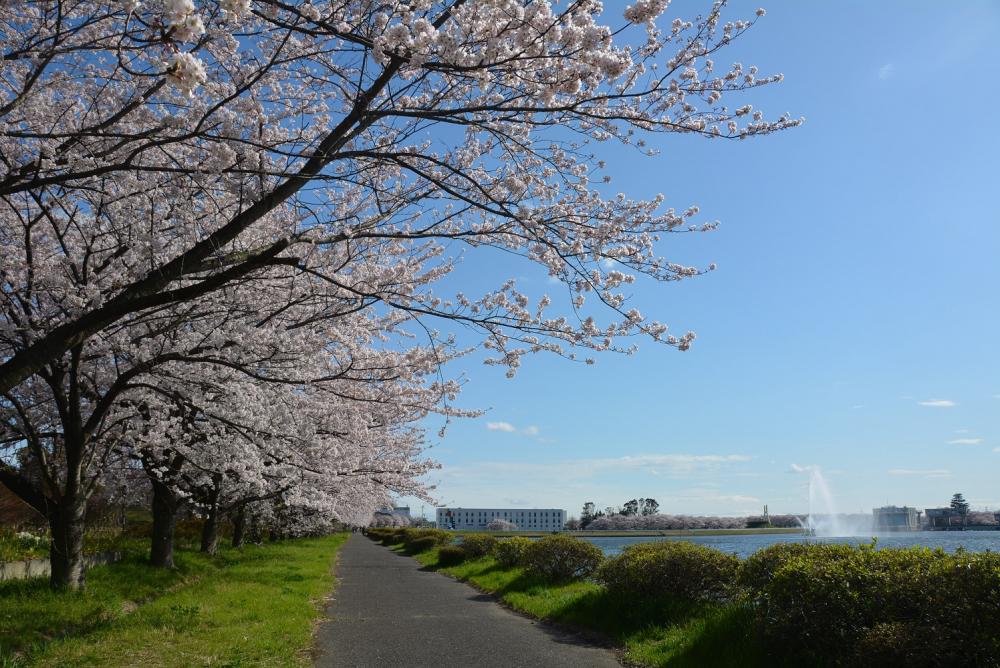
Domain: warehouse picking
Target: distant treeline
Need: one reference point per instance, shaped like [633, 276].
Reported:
[674, 522]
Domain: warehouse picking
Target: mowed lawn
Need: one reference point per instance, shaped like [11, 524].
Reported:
[251, 607]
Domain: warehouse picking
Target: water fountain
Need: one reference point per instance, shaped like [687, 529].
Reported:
[824, 520]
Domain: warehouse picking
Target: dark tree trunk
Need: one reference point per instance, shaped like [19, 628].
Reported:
[239, 526]
[66, 522]
[210, 529]
[165, 506]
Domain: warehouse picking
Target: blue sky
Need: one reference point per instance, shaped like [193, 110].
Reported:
[853, 322]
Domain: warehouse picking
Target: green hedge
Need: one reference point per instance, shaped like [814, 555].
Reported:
[679, 570]
[478, 545]
[423, 544]
[757, 570]
[437, 535]
[510, 551]
[393, 537]
[861, 606]
[451, 555]
[559, 558]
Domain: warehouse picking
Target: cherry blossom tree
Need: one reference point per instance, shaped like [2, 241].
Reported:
[388, 519]
[500, 524]
[230, 388]
[257, 185]
[189, 145]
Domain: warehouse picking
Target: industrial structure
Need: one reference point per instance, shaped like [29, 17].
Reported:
[896, 518]
[945, 518]
[476, 519]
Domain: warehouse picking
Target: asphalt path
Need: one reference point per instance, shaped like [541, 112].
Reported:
[386, 613]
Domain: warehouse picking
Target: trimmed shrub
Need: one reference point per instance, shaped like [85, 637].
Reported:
[406, 536]
[559, 558]
[423, 544]
[757, 570]
[437, 535]
[862, 606]
[451, 555]
[673, 569]
[393, 537]
[478, 545]
[510, 551]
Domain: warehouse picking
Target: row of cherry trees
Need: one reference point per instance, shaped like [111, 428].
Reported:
[226, 227]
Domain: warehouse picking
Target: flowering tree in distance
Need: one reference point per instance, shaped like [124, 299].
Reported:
[256, 186]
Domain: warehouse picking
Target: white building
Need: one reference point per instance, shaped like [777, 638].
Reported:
[476, 519]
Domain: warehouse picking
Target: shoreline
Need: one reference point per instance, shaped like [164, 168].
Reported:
[638, 533]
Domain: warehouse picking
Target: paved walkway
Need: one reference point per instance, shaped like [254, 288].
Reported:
[387, 613]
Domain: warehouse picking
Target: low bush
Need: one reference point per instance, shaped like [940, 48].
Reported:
[451, 555]
[510, 551]
[437, 535]
[418, 545]
[559, 558]
[757, 570]
[393, 537]
[673, 569]
[478, 545]
[863, 606]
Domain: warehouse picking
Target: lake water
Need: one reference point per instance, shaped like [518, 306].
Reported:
[743, 545]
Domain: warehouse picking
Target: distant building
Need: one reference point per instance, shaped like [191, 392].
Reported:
[896, 518]
[476, 519]
[944, 518]
[762, 522]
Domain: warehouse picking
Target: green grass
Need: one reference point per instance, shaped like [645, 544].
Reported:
[250, 607]
[661, 633]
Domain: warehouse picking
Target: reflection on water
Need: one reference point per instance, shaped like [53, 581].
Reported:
[743, 545]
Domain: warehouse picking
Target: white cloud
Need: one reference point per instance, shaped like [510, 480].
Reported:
[531, 430]
[857, 406]
[886, 71]
[965, 441]
[938, 403]
[996, 449]
[501, 426]
[926, 473]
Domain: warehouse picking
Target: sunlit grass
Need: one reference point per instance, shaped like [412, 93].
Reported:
[249, 607]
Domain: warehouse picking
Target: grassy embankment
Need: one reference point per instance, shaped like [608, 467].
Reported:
[250, 607]
[651, 633]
